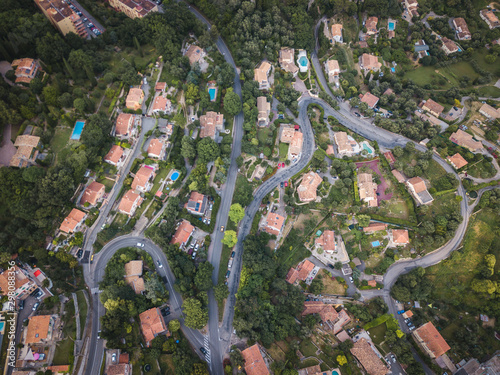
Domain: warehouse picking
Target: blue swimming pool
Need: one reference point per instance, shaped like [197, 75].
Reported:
[77, 131]
[303, 61]
[174, 176]
[335, 373]
[375, 243]
[392, 26]
[211, 92]
[393, 70]
[2, 324]
[367, 148]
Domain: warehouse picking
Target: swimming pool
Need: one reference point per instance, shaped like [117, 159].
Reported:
[174, 176]
[77, 131]
[2, 325]
[335, 373]
[212, 91]
[375, 243]
[367, 148]
[392, 26]
[303, 61]
[393, 70]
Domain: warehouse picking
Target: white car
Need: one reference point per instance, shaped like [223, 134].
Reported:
[140, 244]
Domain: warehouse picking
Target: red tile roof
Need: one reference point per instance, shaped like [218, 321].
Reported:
[182, 233]
[400, 236]
[368, 359]
[155, 148]
[326, 312]
[127, 203]
[390, 157]
[72, 220]
[326, 240]
[254, 363]
[432, 339]
[142, 177]
[304, 269]
[92, 193]
[152, 324]
[114, 155]
[457, 160]
[375, 227]
[370, 99]
[292, 275]
[124, 122]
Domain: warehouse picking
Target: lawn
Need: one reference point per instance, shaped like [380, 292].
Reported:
[444, 77]
[108, 184]
[308, 348]
[378, 333]
[283, 151]
[482, 169]
[60, 139]
[434, 172]
[65, 347]
[82, 306]
[162, 174]
[263, 134]
[479, 55]
[276, 352]
[332, 286]
[166, 364]
[488, 91]
[120, 220]
[308, 363]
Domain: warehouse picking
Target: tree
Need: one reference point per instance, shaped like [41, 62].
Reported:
[341, 360]
[398, 151]
[188, 150]
[338, 265]
[236, 213]
[221, 292]
[80, 105]
[230, 238]
[174, 325]
[232, 102]
[203, 277]
[363, 220]
[208, 150]
[196, 316]
[200, 369]
[192, 94]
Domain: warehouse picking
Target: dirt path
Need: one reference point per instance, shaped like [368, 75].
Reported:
[7, 149]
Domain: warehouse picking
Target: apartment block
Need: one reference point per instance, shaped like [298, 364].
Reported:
[62, 17]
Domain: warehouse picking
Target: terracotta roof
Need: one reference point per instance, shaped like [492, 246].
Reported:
[127, 203]
[418, 184]
[336, 30]
[326, 240]
[372, 283]
[209, 122]
[333, 66]
[152, 324]
[312, 370]
[254, 363]
[370, 62]
[72, 220]
[286, 60]
[292, 275]
[161, 104]
[329, 150]
[119, 369]
[489, 111]
[409, 313]
[400, 236]
[371, 25]
[304, 269]
[182, 233]
[326, 312]
[461, 28]
[155, 148]
[398, 175]
[450, 45]
[342, 320]
[432, 339]
[490, 18]
[287, 134]
[38, 329]
[433, 107]
[367, 188]
[142, 177]
[114, 155]
[390, 157]
[92, 193]
[20, 279]
[160, 86]
[368, 359]
[274, 223]
[342, 141]
[137, 283]
[457, 160]
[370, 99]
[342, 336]
[24, 153]
[124, 358]
[62, 369]
[295, 147]
[374, 227]
[124, 123]
[308, 186]
[260, 73]
[134, 98]
[464, 139]
[194, 53]
[388, 92]
[133, 268]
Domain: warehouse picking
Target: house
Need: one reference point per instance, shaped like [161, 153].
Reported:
[134, 8]
[369, 62]
[407, 314]
[457, 161]
[295, 139]
[197, 204]
[375, 227]
[26, 69]
[160, 86]
[124, 125]
[62, 17]
[461, 29]
[73, 221]
[261, 75]
[143, 179]
[367, 189]
[152, 324]
[264, 108]
[114, 156]
[371, 25]
[162, 104]
[390, 157]
[182, 234]
[327, 313]
[133, 276]
[119, 369]
[434, 108]
[287, 134]
[337, 33]
[194, 54]
[430, 340]
[26, 151]
[398, 176]
[274, 224]
[421, 49]
[301, 272]
[411, 4]
[287, 60]
[400, 237]
[370, 99]
[39, 329]
[489, 112]
[254, 362]
[365, 354]
[92, 194]
[134, 99]
[449, 46]
[388, 92]
[62, 370]
[308, 186]
[333, 69]
[326, 241]
[490, 18]
[342, 336]
[211, 122]
[130, 202]
[156, 149]
[372, 283]
[16, 283]
[417, 188]
[346, 145]
[466, 140]
[473, 367]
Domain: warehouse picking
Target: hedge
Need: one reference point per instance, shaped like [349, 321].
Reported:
[377, 321]
[393, 220]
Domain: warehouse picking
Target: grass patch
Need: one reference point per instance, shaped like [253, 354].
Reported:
[444, 77]
[375, 322]
[308, 348]
[166, 364]
[276, 352]
[82, 306]
[108, 184]
[283, 151]
[308, 363]
[488, 91]
[378, 333]
[60, 139]
[332, 286]
[162, 174]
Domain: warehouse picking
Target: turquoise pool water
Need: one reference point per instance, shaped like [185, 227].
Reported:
[375, 243]
[335, 373]
[77, 131]
[2, 324]
[174, 176]
[391, 26]
[303, 61]
[367, 148]
[211, 92]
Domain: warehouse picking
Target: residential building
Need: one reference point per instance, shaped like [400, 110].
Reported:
[326, 241]
[62, 17]
[194, 54]
[160, 86]
[390, 157]
[124, 125]
[421, 48]
[211, 122]
[398, 176]
[411, 4]
[152, 324]
[489, 112]
[274, 224]
[92, 194]
[261, 75]
[307, 188]
[430, 340]
[434, 108]
[461, 29]
[73, 221]
[134, 99]
[490, 18]
[367, 189]
[457, 161]
[162, 104]
[332, 69]
[134, 8]
[400, 237]
[254, 362]
[370, 99]
[143, 179]
[336, 30]
[119, 369]
[182, 234]
[62, 370]
[114, 156]
[133, 276]
[346, 145]
[287, 134]
[40, 329]
[26, 69]
[375, 227]
[26, 151]
[197, 204]
[369, 62]
[264, 108]
[295, 147]
[156, 149]
[365, 354]
[371, 25]
[449, 46]
[466, 140]
[473, 367]
[417, 188]
[314, 370]
[327, 313]
[130, 202]
[302, 271]
[287, 60]
[23, 285]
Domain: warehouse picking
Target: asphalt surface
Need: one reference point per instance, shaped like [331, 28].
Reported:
[90, 19]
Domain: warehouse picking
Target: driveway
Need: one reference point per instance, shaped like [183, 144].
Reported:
[381, 188]
[7, 149]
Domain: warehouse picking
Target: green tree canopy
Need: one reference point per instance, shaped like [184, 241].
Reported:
[230, 238]
[232, 102]
[196, 316]
[236, 213]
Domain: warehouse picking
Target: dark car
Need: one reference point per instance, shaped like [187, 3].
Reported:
[233, 254]
[331, 266]
[21, 305]
[227, 274]
[203, 350]
[164, 278]
[79, 253]
[282, 184]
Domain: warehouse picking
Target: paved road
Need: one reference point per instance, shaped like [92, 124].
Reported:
[90, 19]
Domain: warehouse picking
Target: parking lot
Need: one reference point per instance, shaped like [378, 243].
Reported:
[93, 27]
[196, 244]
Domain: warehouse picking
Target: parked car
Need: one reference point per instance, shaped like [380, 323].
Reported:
[208, 221]
[400, 312]
[99, 334]
[140, 244]
[233, 254]
[91, 258]
[113, 357]
[227, 274]
[279, 165]
[85, 19]
[331, 266]
[286, 183]
[35, 306]
[282, 184]
[79, 253]
[203, 350]
[350, 279]
[21, 305]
